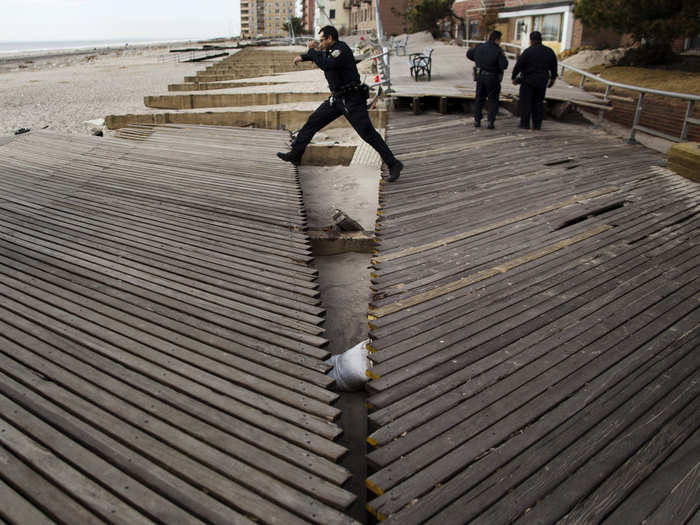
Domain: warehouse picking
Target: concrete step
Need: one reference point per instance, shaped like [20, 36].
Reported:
[222, 100]
[205, 86]
[268, 119]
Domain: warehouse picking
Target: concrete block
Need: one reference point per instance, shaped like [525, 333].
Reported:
[321, 155]
[290, 119]
[684, 159]
[226, 100]
[330, 242]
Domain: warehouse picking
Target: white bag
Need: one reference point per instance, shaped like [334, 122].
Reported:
[349, 368]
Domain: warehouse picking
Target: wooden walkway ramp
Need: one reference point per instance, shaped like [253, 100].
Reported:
[160, 348]
[535, 328]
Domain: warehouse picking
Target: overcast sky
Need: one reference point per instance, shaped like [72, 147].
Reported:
[42, 20]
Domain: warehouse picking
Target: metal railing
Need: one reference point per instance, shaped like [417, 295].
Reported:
[383, 61]
[609, 84]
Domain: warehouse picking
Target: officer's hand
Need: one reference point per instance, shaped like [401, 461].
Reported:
[551, 83]
[311, 44]
[297, 59]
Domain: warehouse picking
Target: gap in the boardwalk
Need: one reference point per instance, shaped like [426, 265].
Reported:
[344, 282]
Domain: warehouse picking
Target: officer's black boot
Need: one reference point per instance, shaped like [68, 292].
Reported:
[477, 123]
[491, 125]
[394, 171]
[290, 156]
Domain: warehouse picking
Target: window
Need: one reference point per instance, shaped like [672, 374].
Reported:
[473, 29]
[549, 26]
[692, 43]
[332, 14]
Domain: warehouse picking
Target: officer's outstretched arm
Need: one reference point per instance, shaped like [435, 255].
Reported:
[336, 59]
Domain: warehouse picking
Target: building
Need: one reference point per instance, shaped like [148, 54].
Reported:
[517, 18]
[248, 18]
[265, 17]
[363, 19]
[307, 15]
[333, 12]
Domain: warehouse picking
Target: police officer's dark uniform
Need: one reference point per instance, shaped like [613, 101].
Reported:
[535, 69]
[490, 64]
[348, 99]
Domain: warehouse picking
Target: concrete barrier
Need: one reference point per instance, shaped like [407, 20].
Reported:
[684, 159]
[226, 100]
[205, 86]
[334, 155]
[287, 119]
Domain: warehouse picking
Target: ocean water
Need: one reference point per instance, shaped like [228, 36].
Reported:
[8, 48]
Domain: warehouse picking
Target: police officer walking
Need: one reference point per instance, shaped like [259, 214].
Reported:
[535, 71]
[488, 73]
[348, 98]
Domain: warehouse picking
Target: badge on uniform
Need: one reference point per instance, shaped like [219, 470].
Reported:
[335, 53]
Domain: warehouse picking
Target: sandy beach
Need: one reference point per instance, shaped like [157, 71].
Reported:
[64, 90]
[69, 90]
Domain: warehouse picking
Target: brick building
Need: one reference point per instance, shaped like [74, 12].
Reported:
[307, 15]
[517, 18]
[363, 19]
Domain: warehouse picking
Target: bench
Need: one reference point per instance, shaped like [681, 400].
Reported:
[399, 45]
[420, 64]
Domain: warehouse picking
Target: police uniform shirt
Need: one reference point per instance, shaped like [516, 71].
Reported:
[337, 63]
[537, 62]
[488, 57]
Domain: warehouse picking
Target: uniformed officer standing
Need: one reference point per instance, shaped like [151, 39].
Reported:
[535, 71]
[490, 64]
[347, 98]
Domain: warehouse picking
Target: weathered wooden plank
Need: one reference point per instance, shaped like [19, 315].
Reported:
[441, 379]
[198, 402]
[521, 356]
[251, 465]
[434, 347]
[16, 509]
[640, 430]
[603, 244]
[681, 505]
[514, 460]
[507, 373]
[58, 503]
[197, 464]
[53, 466]
[126, 314]
[648, 495]
[187, 495]
[619, 484]
[58, 319]
[258, 328]
[43, 499]
[545, 391]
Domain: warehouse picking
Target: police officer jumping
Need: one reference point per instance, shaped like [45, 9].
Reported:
[488, 73]
[348, 98]
[535, 71]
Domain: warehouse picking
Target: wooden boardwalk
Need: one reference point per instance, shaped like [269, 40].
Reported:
[161, 358]
[535, 326]
[452, 80]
